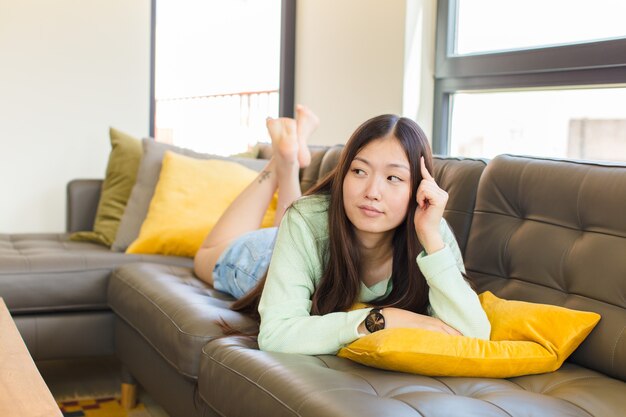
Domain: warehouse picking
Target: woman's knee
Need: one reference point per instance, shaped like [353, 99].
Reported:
[205, 260]
[202, 265]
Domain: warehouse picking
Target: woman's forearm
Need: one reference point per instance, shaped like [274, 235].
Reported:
[311, 335]
[451, 298]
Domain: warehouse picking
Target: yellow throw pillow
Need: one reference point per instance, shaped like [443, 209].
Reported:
[526, 338]
[120, 177]
[189, 198]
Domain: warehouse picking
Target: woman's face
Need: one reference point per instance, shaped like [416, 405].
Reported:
[377, 188]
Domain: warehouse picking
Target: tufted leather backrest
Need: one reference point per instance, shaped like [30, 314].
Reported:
[552, 231]
[459, 177]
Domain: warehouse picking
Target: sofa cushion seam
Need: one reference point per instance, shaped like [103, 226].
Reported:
[552, 387]
[578, 197]
[80, 270]
[158, 307]
[621, 334]
[525, 218]
[575, 405]
[149, 342]
[445, 385]
[356, 375]
[568, 294]
[496, 406]
[409, 405]
[252, 382]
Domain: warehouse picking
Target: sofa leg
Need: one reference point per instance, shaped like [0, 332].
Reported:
[129, 390]
[129, 396]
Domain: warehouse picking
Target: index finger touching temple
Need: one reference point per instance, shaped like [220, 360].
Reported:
[425, 174]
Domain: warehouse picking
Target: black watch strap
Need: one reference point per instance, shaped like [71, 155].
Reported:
[374, 321]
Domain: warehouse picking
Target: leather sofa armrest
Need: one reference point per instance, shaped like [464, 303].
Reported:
[82, 203]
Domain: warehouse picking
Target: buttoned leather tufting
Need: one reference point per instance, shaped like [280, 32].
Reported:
[554, 232]
[319, 386]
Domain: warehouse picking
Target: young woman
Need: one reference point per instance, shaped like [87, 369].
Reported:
[372, 231]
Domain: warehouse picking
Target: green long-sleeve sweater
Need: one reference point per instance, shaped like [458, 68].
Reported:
[296, 269]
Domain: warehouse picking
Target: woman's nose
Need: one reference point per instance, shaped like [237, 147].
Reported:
[373, 190]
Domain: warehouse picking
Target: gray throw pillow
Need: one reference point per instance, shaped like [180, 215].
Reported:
[147, 178]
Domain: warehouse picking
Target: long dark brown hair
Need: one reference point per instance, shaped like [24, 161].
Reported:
[340, 283]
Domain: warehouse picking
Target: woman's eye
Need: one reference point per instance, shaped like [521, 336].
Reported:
[393, 178]
[358, 171]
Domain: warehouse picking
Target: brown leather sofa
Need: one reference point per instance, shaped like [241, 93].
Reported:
[531, 229]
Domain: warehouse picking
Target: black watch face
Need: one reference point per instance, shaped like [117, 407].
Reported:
[374, 322]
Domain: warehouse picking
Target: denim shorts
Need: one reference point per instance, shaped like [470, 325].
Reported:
[244, 262]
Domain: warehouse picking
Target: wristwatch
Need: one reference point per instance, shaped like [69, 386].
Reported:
[375, 321]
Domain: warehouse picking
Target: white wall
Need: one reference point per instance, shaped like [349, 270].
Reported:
[419, 62]
[349, 62]
[360, 58]
[69, 69]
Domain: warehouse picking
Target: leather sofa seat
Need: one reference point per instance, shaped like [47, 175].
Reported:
[318, 386]
[49, 273]
[56, 290]
[175, 312]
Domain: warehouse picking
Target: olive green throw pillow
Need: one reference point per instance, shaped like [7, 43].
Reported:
[119, 180]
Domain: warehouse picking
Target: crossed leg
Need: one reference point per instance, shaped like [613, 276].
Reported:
[246, 212]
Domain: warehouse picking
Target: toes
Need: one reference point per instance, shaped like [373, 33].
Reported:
[306, 117]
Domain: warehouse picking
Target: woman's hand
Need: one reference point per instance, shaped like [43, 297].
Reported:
[431, 201]
[398, 318]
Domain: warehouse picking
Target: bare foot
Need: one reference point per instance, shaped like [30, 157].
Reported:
[284, 141]
[307, 122]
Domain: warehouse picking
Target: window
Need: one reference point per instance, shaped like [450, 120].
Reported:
[572, 123]
[492, 25]
[217, 70]
[537, 78]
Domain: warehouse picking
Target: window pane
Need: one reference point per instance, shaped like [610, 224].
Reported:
[496, 25]
[581, 124]
[216, 72]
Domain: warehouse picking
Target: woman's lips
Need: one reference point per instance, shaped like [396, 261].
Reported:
[370, 211]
